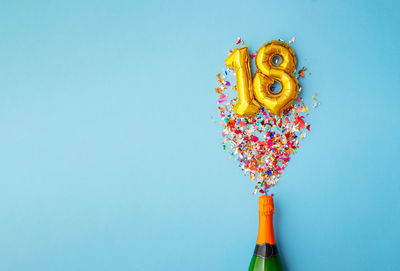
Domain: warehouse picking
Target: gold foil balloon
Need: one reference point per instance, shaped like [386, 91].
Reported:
[239, 62]
[267, 72]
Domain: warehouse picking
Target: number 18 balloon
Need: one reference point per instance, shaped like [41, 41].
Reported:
[252, 94]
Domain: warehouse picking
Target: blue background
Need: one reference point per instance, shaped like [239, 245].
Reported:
[109, 156]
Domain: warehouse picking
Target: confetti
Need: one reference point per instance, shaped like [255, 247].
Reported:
[220, 89]
[292, 40]
[317, 103]
[263, 144]
[239, 41]
[222, 98]
[302, 72]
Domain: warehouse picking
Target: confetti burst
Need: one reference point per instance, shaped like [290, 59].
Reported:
[263, 144]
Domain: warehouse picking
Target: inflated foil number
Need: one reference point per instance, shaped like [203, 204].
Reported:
[239, 62]
[251, 94]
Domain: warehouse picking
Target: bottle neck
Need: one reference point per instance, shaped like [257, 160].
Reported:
[265, 230]
[265, 226]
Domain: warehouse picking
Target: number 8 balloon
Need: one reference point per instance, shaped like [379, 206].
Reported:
[267, 72]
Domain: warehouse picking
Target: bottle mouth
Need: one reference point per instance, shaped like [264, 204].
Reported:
[266, 205]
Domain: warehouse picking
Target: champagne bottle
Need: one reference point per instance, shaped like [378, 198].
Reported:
[265, 254]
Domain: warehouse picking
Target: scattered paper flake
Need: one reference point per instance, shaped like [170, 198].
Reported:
[239, 41]
[302, 72]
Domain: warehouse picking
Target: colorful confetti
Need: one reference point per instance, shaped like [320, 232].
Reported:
[265, 143]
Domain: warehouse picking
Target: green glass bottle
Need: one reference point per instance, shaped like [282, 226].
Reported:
[265, 256]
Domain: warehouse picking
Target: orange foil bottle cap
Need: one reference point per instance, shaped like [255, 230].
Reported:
[266, 205]
[265, 227]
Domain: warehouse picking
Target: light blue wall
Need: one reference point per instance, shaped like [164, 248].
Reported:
[109, 158]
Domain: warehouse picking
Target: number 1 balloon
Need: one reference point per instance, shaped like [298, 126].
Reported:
[239, 62]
